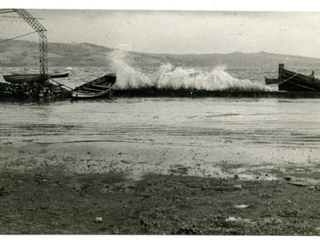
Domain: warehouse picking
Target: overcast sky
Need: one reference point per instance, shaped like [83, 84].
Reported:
[178, 31]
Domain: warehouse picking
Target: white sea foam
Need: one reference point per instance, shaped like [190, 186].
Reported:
[168, 76]
[127, 76]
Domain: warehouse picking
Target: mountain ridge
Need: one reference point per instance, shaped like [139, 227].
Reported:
[21, 53]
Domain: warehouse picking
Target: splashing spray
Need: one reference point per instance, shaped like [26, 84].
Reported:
[175, 78]
[127, 76]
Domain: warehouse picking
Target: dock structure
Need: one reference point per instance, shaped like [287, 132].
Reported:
[42, 32]
[33, 85]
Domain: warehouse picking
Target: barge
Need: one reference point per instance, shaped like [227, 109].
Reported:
[294, 82]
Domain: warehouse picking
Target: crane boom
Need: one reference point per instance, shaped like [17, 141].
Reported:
[6, 10]
[36, 25]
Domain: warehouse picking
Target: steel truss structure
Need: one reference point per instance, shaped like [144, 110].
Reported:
[36, 25]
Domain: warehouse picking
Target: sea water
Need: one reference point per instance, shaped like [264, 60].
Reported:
[267, 121]
[202, 122]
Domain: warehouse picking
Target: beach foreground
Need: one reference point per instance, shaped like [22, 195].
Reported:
[97, 188]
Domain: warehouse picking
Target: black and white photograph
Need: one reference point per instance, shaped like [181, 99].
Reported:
[160, 120]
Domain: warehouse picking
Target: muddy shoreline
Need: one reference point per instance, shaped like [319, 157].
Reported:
[66, 189]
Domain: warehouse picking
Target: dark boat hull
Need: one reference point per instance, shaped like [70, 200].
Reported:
[294, 82]
[96, 88]
[28, 78]
[50, 75]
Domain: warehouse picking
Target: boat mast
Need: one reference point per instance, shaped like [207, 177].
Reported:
[36, 25]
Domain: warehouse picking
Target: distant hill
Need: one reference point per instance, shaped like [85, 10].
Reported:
[231, 60]
[26, 53]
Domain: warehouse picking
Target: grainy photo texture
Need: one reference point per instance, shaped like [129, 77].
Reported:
[159, 122]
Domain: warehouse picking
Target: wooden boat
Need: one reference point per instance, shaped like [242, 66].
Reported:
[28, 78]
[296, 82]
[51, 75]
[25, 78]
[96, 88]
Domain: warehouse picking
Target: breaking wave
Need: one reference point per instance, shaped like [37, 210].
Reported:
[169, 77]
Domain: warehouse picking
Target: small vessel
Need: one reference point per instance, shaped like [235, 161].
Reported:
[95, 88]
[28, 78]
[295, 82]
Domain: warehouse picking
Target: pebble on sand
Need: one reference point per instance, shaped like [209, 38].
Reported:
[98, 220]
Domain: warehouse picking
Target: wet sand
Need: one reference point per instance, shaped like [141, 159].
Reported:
[134, 188]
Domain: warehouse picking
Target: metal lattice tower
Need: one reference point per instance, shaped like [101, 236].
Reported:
[36, 25]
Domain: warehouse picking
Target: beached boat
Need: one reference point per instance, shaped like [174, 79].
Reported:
[28, 78]
[96, 88]
[295, 82]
